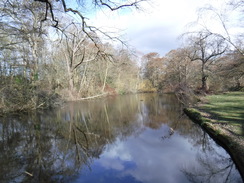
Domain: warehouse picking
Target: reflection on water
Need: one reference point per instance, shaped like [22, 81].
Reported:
[136, 138]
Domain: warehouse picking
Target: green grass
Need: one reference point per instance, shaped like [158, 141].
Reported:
[227, 108]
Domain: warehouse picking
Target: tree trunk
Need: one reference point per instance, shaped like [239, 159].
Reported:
[204, 78]
[105, 77]
[82, 82]
[70, 75]
[204, 83]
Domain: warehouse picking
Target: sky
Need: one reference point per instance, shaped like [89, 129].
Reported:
[155, 28]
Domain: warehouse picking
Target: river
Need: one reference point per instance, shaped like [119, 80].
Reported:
[142, 138]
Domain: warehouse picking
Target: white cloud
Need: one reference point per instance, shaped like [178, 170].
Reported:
[150, 158]
[157, 28]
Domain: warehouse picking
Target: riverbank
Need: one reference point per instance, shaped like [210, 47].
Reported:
[17, 99]
[222, 116]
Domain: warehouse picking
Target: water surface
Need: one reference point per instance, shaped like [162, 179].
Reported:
[142, 138]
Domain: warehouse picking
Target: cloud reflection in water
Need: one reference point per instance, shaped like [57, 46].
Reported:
[145, 158]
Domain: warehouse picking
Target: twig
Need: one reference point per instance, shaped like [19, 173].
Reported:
[29, 174]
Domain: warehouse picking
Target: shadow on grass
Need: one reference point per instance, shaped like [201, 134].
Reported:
[227, 108]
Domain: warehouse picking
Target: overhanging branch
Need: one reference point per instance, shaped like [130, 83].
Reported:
[116, 7]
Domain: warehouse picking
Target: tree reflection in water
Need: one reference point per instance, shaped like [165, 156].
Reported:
[55, 146]
[212, 169]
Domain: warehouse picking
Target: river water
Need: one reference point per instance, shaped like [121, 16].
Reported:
[143, 138]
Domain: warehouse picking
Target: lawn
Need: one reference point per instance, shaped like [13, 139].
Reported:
[226, 108]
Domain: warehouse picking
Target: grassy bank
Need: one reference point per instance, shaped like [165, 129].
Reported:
[222, 116]
[227, 109]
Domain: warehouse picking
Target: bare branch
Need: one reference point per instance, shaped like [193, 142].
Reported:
[48, 6]
[116, 7]
[90, 31]
[222, 19]
[81, 61]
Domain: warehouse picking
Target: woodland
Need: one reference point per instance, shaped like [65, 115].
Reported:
[49, 54]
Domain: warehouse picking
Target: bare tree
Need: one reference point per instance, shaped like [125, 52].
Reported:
[178, 69]
[155, 69]
[53, 9]
[19, 30]
[227, 18]
[77, 49]
[232, 70]
[205, 47]
[112, 5]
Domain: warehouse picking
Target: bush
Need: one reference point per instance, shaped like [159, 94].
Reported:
[19, 97]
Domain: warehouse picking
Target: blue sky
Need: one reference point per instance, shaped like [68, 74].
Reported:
[157, 27]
